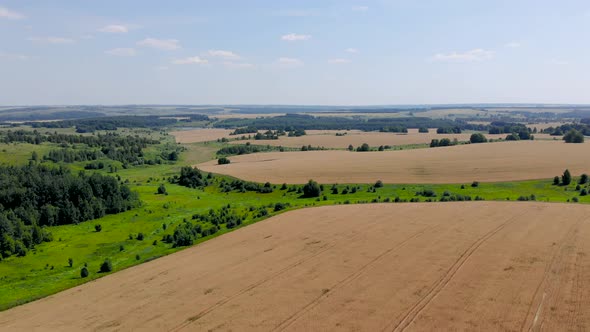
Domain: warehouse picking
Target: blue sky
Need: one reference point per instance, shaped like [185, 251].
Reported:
[294, 52]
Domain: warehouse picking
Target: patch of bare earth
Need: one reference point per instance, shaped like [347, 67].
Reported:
[489, 162]
[386, 267]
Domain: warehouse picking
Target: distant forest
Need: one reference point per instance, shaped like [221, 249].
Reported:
[292, 122]
[115, 122]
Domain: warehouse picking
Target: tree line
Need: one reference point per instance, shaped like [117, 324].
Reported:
[36, 196]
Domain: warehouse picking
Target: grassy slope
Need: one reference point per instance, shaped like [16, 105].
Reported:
[44, 271]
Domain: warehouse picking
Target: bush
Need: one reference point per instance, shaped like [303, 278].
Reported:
[84, 272]
[311, 189]
[556, 180]
[223, 161]
[137, 257]
[478, 138]
[566, 178]
[575, 200]
[364, 148]
[70, 262]
[423, 130]
[139, 236]
[475, 184]
[583, 179]
[573, 136]
[106, 266]
[162, 190]
[583, 192]
[378, 184]
[98, 228]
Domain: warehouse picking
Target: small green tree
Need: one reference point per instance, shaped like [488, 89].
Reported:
[84, 272]
[97, 227]
[566, 178]
[378, 184]
[556, 180]
[70, 262]
[106, 266]
[364, 148]
[223, 161]
[140, 236]
[478, 138]
[162, 190]
[311, 189]
[573, 136]
[350, 147]
[583, 179]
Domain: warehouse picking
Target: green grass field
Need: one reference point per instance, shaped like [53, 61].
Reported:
[44, 270]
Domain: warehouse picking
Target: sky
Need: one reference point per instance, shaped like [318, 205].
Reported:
[321, 52]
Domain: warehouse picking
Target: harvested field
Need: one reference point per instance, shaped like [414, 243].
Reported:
[200, 135]
[328, 138]
[505, 161]
[387, 267]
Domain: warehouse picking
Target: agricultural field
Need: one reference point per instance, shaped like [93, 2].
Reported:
[405, 267]
[487, 162]
[200, 135]
[328, 138]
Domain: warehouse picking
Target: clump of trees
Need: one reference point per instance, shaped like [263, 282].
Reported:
[312, 189]
[573, 136]
[443, 142]
[363, 148]
[190, 177]
[478, 138]
[223, 161]
[566, 178]
[449, 130]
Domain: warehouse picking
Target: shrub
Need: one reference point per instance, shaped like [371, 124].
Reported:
[364, 148]
[284, 186]
[478, 138]
[556, 180]
[573, 136]
[121, 248]
[378, 184]
[583, 179]
[423, 130]
[155, 243]
[70, 262]
[575, 200]
[106, 266]
[137, 257]
[583, 192]
[311, 189]
[139, 236]
[98, 227]
[84, 272]
[566, 178]
[162, 190]
[578, 187]
[223, 161]
[475, 184]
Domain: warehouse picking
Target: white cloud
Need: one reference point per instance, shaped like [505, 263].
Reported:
[230, 64]
[161, 44]
[223, 54]
[9, 14]
[289, 62]
[295, 37]
[195, 60]
[352, 50]
[468, 56]
[360, 8]
[122, 52]
[115, 28]
[338, 61]
[51, 40]
[513, 45]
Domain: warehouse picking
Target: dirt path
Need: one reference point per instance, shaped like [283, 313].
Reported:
[379, 267]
